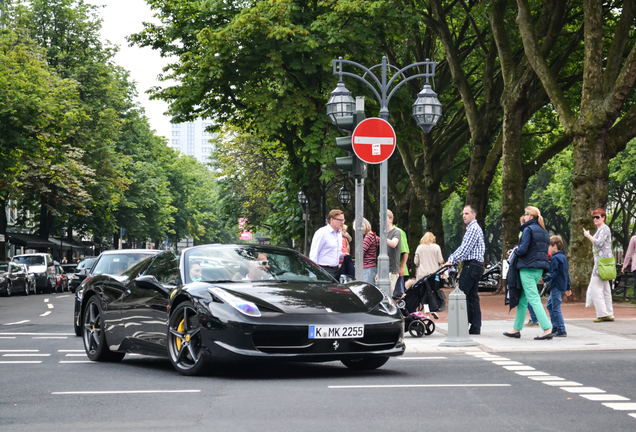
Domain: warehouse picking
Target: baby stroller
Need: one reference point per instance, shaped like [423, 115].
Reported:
[426, 291]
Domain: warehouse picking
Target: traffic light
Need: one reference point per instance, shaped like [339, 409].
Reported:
[351, 162]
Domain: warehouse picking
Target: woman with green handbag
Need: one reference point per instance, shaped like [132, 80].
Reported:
[604, 267]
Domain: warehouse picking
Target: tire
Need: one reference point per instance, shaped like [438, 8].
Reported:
[93, 333]
[417, 328]
[429, 327]
[26, 289]
[365, 364]
[49, 287]
[8, 289]
[185, 345]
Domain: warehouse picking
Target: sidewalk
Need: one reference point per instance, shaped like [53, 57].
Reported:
[583, 334]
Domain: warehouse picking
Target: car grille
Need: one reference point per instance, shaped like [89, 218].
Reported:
[281, 340]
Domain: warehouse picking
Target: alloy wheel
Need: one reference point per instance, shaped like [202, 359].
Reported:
[184, 340]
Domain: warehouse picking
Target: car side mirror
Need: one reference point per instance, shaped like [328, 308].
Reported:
[151, 283]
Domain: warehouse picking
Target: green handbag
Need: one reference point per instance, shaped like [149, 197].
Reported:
[606, 268]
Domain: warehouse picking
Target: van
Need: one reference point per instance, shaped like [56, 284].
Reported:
[40, 264]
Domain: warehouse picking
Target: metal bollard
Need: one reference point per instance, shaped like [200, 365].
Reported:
[457, 321]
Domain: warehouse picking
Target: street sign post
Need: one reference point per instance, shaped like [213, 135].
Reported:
[373, 140]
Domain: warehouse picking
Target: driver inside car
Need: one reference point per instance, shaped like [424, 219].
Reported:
[259, 269]
[195, 272]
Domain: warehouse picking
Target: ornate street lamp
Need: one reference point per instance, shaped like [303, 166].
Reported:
[344, 196]
[427, 109]
[302, 200]
[341, 103]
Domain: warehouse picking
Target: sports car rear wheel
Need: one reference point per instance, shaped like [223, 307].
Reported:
[365, 363]
[94, 335]
[184, 340]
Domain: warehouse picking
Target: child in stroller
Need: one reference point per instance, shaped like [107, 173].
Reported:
[422, 297]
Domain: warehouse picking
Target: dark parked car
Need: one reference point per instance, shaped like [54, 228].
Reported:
[237, 302]
[82, 269]
[30, 279]
[13, 278]
[113, 263]
[61, 279]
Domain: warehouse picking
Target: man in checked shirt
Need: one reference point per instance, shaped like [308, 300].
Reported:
[471, 253]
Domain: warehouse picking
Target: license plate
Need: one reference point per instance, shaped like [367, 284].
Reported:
[336, 332]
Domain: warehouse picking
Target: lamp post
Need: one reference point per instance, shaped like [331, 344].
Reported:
[302, 200]
[344, 196]
[427, 111]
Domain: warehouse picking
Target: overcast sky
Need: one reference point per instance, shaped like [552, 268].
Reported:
[120, 19]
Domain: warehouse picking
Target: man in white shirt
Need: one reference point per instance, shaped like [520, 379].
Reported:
[326, 245]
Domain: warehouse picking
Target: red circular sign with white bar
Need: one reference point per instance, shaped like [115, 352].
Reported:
[373, 140]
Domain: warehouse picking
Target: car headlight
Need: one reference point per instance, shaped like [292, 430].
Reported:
[388, 305]
[79, 294]
[243, 306]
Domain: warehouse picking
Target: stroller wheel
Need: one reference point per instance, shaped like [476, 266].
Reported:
[417, 328]
[401, 304]
[429, 327]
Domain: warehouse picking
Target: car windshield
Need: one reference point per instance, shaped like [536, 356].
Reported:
[250, 263]
[87, 263]
[4, 268]
[32, 260]
[118, 263]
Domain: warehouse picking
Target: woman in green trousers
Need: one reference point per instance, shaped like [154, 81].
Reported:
[532, 261]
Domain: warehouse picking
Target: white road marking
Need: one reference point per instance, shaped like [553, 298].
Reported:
[416, 386]
[546, 378]
[65, 295]
[37, 334]
[491, 358]
[76, 355]
[49, 337]
[519, 368]
[563, 383]
[507, 363]
[532, 373]
[18, 322]
[26, 355]
[21, 362]
[50, 306]
[46, 300]
[421, 358]
[583, 390]
[20, 351]
[621, 406]
[632, 415]
[45, 313]
[125, 392]
[77, 361]
[7, 337]
[71, 351]
[479, 354]
[604, 397]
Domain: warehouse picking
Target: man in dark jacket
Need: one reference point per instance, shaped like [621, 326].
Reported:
[559, 278]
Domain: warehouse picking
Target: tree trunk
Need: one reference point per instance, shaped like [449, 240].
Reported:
[590, 183]
[3, 229]
[46, 218]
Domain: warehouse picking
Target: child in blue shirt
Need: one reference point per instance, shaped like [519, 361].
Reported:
[559, 278]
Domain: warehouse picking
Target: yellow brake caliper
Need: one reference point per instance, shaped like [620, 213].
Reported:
[180, 330]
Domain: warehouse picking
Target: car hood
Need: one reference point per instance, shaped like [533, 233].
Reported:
[37, 268]
[312, 298]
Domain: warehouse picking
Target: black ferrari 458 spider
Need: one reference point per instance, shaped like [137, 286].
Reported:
[230, 302]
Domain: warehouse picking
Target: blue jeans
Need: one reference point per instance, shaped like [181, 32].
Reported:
[554, 307]
[368, 274]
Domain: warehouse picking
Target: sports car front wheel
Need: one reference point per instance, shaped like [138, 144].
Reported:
[185, 344]
[93, 333]
[363, 364]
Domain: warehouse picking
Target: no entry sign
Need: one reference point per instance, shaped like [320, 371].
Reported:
[373, 140]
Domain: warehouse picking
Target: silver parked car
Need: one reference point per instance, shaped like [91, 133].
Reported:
[41, 264]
